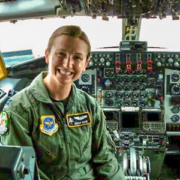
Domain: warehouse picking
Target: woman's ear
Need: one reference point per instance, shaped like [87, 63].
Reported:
[86, 65]
[47, 56]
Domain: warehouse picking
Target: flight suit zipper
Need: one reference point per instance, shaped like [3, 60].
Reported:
[66, 135]
[48, 152]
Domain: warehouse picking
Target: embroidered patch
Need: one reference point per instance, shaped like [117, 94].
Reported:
[48, 125]
[79, 119]
[3, 123]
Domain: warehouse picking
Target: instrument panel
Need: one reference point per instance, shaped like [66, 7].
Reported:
[138, 91]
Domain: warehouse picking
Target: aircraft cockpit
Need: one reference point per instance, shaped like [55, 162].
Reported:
[133, 73]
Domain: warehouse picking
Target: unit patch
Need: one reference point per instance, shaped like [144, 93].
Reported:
[48, 125]
[80, 119]
[3, 123]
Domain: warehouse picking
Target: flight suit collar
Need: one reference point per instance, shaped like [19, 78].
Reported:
[40, 91]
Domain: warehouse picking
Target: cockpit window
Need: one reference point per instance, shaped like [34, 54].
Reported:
[32, 35]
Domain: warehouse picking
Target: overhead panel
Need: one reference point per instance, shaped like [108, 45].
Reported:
[24, 9]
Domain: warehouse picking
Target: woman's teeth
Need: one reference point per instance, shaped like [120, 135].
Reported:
[64, 72]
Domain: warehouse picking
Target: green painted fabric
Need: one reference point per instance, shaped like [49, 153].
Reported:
[85, 152]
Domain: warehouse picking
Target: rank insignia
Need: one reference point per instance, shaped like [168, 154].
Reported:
[79, 119]
[48, 125]
[3, 123]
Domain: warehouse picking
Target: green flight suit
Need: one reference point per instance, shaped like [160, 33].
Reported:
[80, 152]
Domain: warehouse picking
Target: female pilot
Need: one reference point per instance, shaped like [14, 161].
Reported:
[65, 125]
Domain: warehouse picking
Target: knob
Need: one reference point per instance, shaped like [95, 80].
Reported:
[108, 63]
[170, 60]
[159, 64]
[102, 59]
[176, 64]
[119, 94]
[91, 63]
[109, 102]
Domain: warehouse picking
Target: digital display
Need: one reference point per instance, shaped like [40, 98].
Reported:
[109, 115]
[130, 120]
[138, 47]
[153, 116]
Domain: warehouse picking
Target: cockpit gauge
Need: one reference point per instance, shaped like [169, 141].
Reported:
[135, 95]
[119, 94]
[108, 83]
[175, 118]
[175, 77]
[175, 89]
[175, 109]
[109, 102]
[109, 94]
[85, 77]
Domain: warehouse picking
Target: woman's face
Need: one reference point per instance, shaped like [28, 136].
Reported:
[67, 59]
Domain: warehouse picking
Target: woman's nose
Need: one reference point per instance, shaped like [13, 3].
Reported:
[67, 62]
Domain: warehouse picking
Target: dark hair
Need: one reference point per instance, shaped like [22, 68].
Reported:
[74, 31]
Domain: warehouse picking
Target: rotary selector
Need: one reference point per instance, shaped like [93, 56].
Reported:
[126, 79]
[175, 89]
[135, 103]
[109, 102]
[126, 103]
[143, 94]
[135, 95]
[119, 94]
[134, 79]
[119, 103]
[142, 87]
[142, 78]
[175, 77]
[175, 118]
[127, 95]
[126, 87]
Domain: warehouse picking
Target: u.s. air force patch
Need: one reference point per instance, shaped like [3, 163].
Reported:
[48, 125]
[3, 123]
[79, 119]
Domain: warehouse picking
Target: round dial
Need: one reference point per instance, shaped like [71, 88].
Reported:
[126, 87]
[143, 94]
[134, 79]
[175, 118]
[143, 103]
[119, 103]
[135, 103]
[127, 95]
[175, 77]
[109, 94]
[85, 77]
[142, 87]
[119, 94]
[126, 103]
[118, 87]
[142, 78]
[175, 109]
[126, 79]
[109, 102]
[175, 89]
[134, 86]
[135, 94]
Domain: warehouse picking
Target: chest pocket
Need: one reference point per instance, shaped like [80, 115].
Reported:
[81, 138]
[47, 148]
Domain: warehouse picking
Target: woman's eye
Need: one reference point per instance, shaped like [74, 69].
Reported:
[61, 54]
[78, 58]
